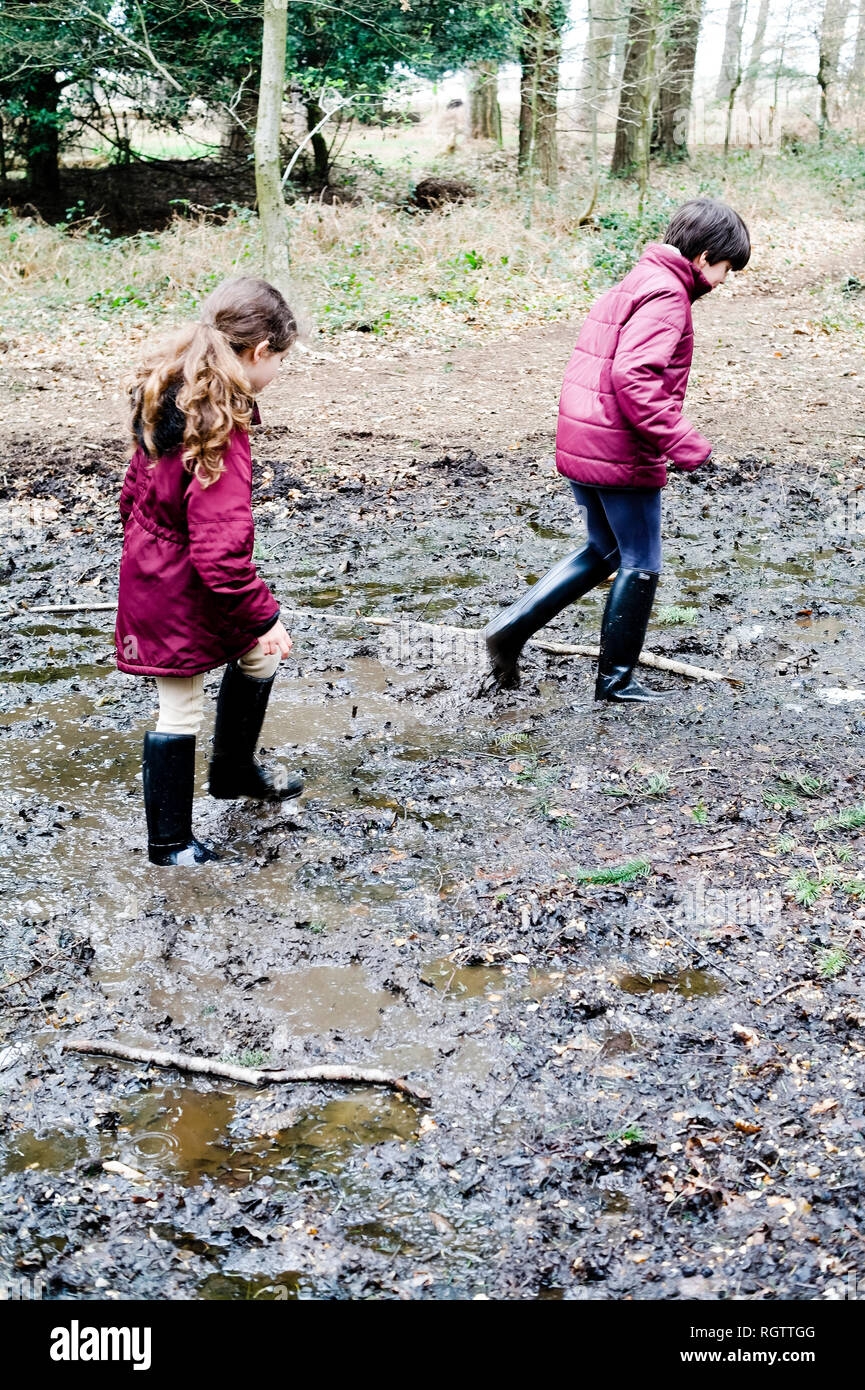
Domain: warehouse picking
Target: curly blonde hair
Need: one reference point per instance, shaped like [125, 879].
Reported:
[200, 367]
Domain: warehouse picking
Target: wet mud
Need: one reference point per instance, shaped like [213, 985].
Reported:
[572, 925]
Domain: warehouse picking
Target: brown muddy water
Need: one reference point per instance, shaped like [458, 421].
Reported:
[616, 1111]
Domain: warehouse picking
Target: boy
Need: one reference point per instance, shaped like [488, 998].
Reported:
[620, 424]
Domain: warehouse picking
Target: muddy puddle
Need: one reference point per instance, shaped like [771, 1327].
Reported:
[488, 981]
[180, 1132]
[419, 911]
[690, 984]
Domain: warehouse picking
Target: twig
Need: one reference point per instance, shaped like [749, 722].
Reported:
[19, 980]
[72, 608]
[701, 953]
[708, 849]
[660, 663]
[797, 984]
[249, 1076]
[341, 103]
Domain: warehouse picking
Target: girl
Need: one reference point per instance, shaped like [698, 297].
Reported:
[190, 598]
[620, 423]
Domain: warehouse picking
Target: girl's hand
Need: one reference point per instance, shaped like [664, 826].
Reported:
[276, 640]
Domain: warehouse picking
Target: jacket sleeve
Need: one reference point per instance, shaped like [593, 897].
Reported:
[645, 349]
[221, 539]
[130, 485]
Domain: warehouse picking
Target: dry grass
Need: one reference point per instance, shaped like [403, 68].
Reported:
[495, 264]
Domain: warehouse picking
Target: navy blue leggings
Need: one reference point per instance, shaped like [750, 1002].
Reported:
[627, 520]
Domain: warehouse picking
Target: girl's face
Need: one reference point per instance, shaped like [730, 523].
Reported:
[715, 274]
[261, 365]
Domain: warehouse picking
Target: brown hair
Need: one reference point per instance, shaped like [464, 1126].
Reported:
[199, 370]
[707, 224]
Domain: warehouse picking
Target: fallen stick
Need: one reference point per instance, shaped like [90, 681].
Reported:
[797, 984]
[701, 952]
[20, 979]
[249, 1076]
[72, 608]
[711, 849]
[660, 663]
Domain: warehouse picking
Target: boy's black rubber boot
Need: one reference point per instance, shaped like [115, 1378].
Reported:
[508, 633]
[623, 631]
[234, 768]
[168, 773]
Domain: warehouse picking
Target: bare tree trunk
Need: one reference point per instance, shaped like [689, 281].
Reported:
[540, 53]
[42, 136]
[547, 107]
[524, 149]
[857, 71]
[485, 117]
[595, 79]
[620, 47]
[272, 212]
[4, 184]
[677, 82]
[732, 60]
[320, 147]
[240, 134]
[831, 38]
[780, 56]
[758, 44]
[636, 78]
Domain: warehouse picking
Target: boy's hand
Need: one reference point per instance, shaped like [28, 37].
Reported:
[276, 640]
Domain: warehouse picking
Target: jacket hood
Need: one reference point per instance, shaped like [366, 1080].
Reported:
[671, 258]
[170, 426]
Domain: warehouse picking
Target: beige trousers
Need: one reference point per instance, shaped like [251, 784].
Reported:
[181, 698]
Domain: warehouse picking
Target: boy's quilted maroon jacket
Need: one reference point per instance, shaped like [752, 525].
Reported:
[620, 413]
[190, 598]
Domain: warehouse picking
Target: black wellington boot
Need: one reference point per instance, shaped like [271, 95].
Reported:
[508, 633]
[623, 631]
[168, 770]
[234, 768]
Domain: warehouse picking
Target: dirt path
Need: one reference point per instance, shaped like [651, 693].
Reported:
[624, 1102]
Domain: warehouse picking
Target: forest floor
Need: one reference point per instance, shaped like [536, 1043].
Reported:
[621, 948]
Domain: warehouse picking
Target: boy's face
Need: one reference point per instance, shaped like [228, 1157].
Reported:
[715, 274]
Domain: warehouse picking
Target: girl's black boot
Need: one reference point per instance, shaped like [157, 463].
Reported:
[508, 633]
[168, 773]
[623, 631]
[234, 768]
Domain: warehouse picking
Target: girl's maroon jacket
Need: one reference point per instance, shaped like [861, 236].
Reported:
[190, 598]
[620, 413]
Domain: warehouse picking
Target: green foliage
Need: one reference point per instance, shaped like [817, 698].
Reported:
[839, 159]
[628, 1134]
[675, 616]
[248, 1057]
[807, 889]
[700, 812]
[614, 873]
[804, 782]
[63, 62]
[657, 784]
[851, 819]
[624, 234]
[779, 801]
[654, 784]
[512, 739]
[832, 961]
